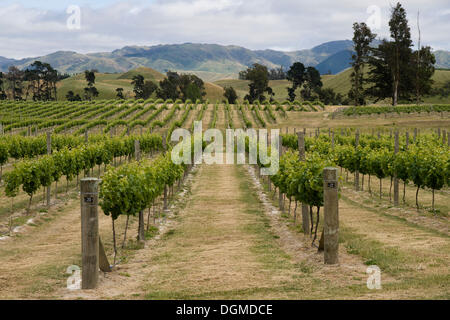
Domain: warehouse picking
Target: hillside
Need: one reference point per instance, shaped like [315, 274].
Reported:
[340, 83]
[212, 61]
[107, 83]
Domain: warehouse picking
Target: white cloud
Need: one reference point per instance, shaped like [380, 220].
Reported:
[255, 24]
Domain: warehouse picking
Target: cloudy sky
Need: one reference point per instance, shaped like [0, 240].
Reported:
[36, 27]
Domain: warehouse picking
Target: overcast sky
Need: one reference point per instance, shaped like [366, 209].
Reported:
[38, 27]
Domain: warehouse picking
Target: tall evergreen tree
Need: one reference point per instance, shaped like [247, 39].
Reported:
[401, 40]
[362, 38]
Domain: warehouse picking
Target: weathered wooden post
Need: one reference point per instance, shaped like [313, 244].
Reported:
[444, 136]
[332, 139]
[49, 151]
[407, 139]
[331, 214]
[357, 171]
[141, 227]
[280, 194]
[415, 135]
[396, 150]
[1, 128]
[29, 131]
[448, 139]
[439, 133]
[137, 150]
[89, 233]
[305, 210]
[269, 184]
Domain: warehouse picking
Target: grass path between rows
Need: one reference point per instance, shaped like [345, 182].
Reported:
[222, 241]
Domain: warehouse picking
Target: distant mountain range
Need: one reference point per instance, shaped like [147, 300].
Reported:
[209, 61]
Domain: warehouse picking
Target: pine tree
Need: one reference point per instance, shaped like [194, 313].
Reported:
[362, 38]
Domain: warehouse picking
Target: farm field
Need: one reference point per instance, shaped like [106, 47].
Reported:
[218, 231]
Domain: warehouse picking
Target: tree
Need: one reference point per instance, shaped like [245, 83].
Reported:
[296, 75]
[119, 93]
[169, 87]
[259, 83]
[380, 75]
[15, 78]
[313, 83]
[329, 97]
[148, 89]
[362, 38]
[277, 74]
[230, 94]
[138, 83]
[90, 91]
[42, 79]
[396, 71]
[423, 60]
[70, 96]
[3, 95]
[401, 35]
[183, 87]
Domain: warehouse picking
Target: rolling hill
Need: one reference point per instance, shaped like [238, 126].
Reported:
[107, 83]
[210, 61]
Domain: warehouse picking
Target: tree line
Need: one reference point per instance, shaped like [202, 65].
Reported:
[37, 81]
[305, 82]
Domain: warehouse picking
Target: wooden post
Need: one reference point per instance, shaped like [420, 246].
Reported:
[165, 198]
[415, 135]
[141, 227]
[137, 150]
[269, 184]
[29, 131]
[444, 135]
[407, 140]
[89, 233]
[332, 139]
[305, 210]
[1, 128]
[396, 191]
[49, 151]
[448, 139]
[331, 213]
[86, 136]
[357, 171]
[280, 194]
